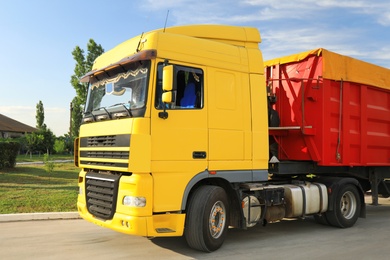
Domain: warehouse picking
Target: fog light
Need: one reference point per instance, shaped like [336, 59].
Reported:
[132, 201]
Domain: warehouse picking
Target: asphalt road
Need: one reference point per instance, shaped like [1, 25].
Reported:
[297, 239]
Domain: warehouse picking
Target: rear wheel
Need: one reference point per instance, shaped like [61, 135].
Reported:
[207, 218]
[346, 207]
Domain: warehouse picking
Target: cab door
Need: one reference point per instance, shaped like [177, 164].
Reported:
[179, 135]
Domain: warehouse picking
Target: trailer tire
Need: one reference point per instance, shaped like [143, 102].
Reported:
[347, 207]
[207, 218]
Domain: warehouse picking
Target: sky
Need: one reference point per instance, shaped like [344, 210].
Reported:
[38, 37]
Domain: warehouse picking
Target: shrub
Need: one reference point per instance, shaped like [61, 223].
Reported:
[8, 152]
[49, 165]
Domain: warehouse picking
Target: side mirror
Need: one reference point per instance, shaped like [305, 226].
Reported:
[167, 97]
[167, 78]
[167, 86]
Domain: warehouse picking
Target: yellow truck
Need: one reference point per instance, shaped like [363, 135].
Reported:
[175, 141]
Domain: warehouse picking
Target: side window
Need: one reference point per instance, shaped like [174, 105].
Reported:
[187, 90]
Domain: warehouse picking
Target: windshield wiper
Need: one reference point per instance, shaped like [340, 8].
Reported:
[108, 113]
[90, 113]
[127, 109]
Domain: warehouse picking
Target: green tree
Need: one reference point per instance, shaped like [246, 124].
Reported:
[48, 140]
[40, 115]
[83, 65]
[59, 146]
[33, 142]
[68, 143]
[77, 115]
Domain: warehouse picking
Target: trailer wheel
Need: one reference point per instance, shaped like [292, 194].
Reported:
[346, 207]
[207, 218]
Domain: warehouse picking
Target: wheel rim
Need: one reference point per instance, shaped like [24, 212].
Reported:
[348, 205]
[217, 219]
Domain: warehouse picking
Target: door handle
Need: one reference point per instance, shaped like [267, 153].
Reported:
[199, 155]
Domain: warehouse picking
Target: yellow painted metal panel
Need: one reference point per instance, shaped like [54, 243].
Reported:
[140, 153]
[178, 136]
[136, 185]
[259, 118]
[234, 35]
[225, 100]
[172, 222]
[216, 45]
[226, 145]
[170, 180]
[111, 127]
[230, 165]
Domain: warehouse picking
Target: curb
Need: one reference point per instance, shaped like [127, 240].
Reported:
[38, 216]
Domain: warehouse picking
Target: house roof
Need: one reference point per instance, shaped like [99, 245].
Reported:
[10, 125]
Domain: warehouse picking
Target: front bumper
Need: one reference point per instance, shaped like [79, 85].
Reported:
[159, 225]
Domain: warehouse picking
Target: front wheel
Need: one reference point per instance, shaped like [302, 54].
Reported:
[346, 207]
[207, 218]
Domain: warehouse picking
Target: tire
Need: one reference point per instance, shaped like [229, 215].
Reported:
[207, 218]
[346, 209]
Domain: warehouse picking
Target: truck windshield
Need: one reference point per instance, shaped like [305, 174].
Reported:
[123, 91]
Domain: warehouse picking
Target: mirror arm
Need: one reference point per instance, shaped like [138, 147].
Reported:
[164, 114]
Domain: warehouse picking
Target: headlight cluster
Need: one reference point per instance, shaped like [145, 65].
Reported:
[132, 201]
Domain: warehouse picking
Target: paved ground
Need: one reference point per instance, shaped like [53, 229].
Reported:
[41, 162]
[299, 239]
[38, 216]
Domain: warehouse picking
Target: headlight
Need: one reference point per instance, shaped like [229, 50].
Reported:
[132, 201]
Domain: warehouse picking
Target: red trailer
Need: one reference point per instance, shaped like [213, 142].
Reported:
[334, 115]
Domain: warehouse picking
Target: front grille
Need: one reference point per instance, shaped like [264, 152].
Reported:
[98, 151]
[106, 141]
[105, 164]
[101, 194]
[105, 154]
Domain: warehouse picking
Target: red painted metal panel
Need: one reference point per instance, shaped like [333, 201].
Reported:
[331, 122]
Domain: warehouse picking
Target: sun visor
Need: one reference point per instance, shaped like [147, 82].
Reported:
[142, 55]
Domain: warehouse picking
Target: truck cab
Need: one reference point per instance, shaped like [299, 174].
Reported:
[141, 157]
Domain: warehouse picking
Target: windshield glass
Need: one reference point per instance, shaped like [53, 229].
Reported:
[126, 90]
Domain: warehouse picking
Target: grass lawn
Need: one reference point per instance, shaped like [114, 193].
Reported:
[30, 188]
[37, 157]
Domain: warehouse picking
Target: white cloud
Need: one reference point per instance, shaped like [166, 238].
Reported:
[315, 5]
[293, 26]
[162, 5]
[246, 11]
[380, 56]
[378, 11]
[384, 19]
[277, 43]
[24, 114]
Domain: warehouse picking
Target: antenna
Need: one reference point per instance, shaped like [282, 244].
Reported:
[166, 19]
[139, 43]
